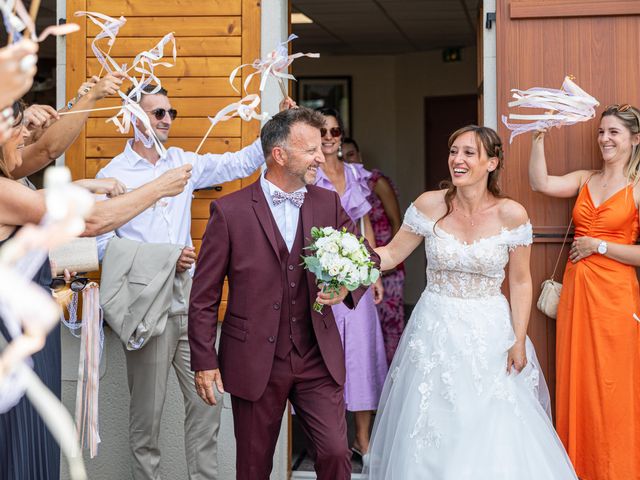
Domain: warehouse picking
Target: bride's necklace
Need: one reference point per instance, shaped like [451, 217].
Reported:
[467, 216]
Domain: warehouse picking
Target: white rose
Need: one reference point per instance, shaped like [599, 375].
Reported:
[350, 244]
[328, 230]
[363, 274]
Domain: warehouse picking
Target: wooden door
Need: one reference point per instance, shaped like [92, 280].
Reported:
[538, 43]
[442, 116]
[212, 38]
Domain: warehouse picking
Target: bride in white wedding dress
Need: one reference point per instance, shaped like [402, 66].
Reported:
[465, 398]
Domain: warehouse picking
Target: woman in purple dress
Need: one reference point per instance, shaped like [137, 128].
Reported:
[360, 329]
[385, 219]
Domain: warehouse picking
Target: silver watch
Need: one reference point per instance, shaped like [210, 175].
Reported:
[602, 247]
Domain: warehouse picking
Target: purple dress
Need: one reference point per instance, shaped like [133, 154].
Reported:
[360, 330]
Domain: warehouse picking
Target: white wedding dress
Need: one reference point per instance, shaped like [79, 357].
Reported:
[449, 410]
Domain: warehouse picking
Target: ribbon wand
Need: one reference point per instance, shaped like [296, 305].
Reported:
[245, 109]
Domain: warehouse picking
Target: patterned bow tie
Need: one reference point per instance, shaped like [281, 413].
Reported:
[297, 198]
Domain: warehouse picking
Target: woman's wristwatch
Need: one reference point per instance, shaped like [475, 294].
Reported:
[602, 247]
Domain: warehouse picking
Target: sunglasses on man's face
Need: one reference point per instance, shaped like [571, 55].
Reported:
[160, 113]
[335, 131]
[76, 285]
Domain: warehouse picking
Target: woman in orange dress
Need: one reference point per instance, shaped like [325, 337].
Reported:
[598, 338]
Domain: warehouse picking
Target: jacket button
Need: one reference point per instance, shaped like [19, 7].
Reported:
[272, 339]
[293, 302]
[294, 319]
[292, 284]
[276, 306]
[291, 267]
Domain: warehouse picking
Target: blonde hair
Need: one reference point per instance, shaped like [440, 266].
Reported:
[492, 144]
[630, 118]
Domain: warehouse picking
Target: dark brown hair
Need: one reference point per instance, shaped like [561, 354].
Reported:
[276, 131]
[487, 139]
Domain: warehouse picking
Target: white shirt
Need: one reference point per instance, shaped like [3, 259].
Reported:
[285, 214]
[169, 220]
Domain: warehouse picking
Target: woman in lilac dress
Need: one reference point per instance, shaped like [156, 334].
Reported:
[360, 329]
[385, 219]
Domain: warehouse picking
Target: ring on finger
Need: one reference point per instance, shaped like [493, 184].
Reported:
[27, 63]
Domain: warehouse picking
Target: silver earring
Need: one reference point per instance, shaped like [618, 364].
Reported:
[340, 151]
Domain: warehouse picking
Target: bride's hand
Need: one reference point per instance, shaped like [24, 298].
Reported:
[517, 357]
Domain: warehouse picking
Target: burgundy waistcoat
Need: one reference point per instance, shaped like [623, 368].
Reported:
[295, 329]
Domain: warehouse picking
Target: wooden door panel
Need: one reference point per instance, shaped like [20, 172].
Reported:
[179, 25]
[212, 38]
[538, 43]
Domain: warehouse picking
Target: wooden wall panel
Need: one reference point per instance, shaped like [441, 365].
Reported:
[538, 43]
[212, 38]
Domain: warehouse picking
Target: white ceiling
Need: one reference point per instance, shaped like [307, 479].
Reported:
[364, 27]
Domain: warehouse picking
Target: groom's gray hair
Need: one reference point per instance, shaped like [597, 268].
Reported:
[276, 131]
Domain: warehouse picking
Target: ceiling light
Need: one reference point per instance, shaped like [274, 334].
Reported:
[297, 18]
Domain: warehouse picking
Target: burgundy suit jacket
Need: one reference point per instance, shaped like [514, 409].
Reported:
[240, 243]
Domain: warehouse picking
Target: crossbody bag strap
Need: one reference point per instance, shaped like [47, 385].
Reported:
[564, 241]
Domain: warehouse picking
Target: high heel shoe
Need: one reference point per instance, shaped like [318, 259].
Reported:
[364, 457]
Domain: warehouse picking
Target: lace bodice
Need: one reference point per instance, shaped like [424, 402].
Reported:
[460, 269]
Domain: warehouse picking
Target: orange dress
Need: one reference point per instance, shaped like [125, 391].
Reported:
[598, 347]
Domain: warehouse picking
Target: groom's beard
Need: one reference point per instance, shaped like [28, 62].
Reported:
[306, 174]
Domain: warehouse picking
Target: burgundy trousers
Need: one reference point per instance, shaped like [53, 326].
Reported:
[319, 404]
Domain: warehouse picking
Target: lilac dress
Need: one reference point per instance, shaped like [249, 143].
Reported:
[360, 329]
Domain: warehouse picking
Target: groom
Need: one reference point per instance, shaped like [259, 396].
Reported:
[273, 346]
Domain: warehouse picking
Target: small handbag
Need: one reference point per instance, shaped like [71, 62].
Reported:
[78, 255]
[550, 294]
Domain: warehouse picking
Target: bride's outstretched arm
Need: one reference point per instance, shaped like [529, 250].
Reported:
[399, 248]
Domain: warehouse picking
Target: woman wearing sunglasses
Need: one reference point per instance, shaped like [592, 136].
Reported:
[598, 339]
[360, 328]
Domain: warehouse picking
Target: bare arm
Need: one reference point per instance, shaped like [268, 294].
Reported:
[398, 249]
[387, 196]
[18, 204]
[520, 290]
[60, 135]
[564, 186]
[111, 214]
[368, 231]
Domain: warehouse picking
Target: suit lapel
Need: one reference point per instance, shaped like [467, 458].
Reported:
[262, 211]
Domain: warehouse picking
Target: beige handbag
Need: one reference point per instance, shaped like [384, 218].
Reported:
[550, 294]
[78, 255]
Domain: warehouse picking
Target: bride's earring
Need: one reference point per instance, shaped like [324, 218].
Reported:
[340, 151]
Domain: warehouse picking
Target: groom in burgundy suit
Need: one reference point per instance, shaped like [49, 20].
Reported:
[273, 345]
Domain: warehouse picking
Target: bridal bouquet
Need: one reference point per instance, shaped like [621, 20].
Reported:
[339, 259]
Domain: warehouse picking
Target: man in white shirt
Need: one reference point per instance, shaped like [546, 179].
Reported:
[169, 221]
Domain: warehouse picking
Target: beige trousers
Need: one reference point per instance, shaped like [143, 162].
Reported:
[147, 372]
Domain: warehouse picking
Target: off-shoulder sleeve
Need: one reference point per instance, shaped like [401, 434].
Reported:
[521, 236]
[416, 222]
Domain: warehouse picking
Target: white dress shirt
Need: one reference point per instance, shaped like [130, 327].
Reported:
[169, 220]
[285, 214]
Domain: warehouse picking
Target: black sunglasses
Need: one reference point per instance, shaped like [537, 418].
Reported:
[159, 113]
[76, 285]
[335, 131]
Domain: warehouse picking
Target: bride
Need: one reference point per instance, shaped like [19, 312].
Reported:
[465, 397]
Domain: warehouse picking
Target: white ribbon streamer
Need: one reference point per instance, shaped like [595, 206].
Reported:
[567, 106]
[245, 109]
[275, 63]
[18, 22]
[109, 28]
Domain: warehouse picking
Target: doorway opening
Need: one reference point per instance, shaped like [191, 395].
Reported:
[406, 76]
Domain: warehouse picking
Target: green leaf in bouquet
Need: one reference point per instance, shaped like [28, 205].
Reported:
[316, 233]
[374, 275]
